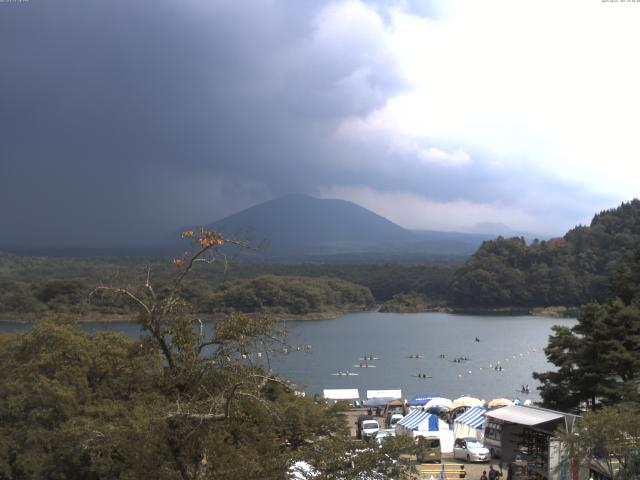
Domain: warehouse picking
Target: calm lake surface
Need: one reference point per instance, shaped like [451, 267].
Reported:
[516, 342]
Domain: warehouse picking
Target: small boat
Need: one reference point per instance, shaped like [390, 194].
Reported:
[364, 366]
[416, 355]
[460, 359]
[424, 375]
[369, 358]
[345, 374]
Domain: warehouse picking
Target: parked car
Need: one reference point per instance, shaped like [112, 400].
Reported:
[367, 427]
[428, 449]
[392, 419]
[471, 450]
[385, 433]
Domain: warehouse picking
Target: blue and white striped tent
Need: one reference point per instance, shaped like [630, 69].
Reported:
[470, 423]
[419, 420]
[419, 423]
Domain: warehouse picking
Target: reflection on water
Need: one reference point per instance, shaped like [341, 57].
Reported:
[451, 355]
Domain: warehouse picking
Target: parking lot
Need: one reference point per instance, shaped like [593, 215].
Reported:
[427, 470]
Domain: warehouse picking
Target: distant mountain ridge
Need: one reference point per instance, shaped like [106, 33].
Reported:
[303, 226]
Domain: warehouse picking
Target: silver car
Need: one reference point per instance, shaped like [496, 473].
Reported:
[471, 450]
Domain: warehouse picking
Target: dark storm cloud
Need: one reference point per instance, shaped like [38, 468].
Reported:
[121, 120]
[106, 105]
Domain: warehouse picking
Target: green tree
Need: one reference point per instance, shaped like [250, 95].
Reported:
[598, 359]
[610, 438]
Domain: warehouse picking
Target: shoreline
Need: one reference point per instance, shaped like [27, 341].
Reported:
[552, 312]
[124, 318]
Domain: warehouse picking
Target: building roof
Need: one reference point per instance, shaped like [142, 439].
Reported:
[522, 415]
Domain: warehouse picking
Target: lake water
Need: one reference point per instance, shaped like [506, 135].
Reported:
[516, 342]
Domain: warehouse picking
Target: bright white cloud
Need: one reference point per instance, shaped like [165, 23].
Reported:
[547, 84]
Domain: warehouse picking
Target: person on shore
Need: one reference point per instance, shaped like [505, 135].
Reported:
[484, 475]
[493, 474]
[510, 472]
[463, 472]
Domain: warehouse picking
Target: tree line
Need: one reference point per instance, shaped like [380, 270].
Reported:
[570, 271]
[33, 286]
[263, 294]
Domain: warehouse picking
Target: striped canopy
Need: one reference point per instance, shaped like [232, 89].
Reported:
[417, 418]
[474, 417]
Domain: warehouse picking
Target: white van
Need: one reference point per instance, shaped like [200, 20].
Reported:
[493, 438]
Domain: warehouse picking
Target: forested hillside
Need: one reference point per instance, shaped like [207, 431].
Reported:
[287, 295]
[569, 271]
[32, 286]
[268, 293]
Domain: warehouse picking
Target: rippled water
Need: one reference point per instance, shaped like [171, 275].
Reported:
[516, 342]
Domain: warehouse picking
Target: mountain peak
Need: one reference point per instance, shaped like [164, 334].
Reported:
[301, 223]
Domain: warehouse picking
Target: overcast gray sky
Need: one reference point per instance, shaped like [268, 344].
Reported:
[122, 120]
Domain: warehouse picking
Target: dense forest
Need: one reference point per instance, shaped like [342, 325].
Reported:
[31, 286]
[568, 271]
[264, 294]
[410, 302]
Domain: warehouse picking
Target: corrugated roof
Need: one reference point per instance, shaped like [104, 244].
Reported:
[524, 415]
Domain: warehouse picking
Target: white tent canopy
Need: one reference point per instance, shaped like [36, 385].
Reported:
[341, 394]
[384, 393]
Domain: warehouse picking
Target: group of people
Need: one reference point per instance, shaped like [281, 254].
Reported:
[378, 411]
[494, 474]
[460, 359]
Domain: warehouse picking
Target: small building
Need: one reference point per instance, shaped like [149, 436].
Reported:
[524, 437]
